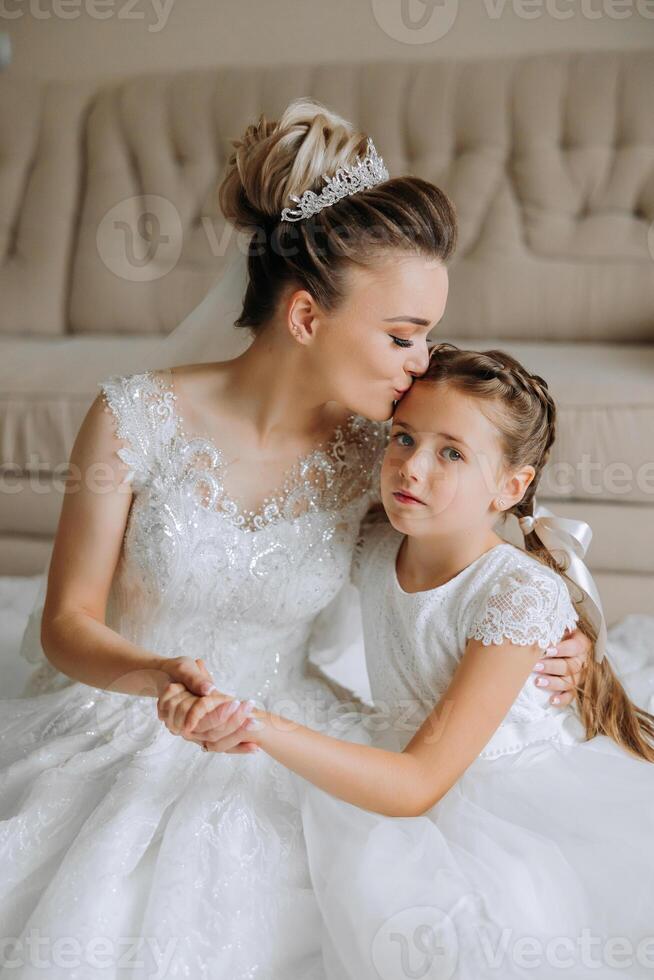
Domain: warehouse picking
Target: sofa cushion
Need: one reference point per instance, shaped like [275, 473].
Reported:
[46, 388]
[40, 177]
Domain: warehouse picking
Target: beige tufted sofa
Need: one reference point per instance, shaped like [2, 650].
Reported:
[549, 159]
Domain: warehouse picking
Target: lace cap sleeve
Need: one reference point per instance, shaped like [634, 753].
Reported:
[526, 604]
[132, 400]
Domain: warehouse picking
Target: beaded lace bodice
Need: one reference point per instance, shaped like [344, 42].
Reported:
[197, 576]
[415, 641]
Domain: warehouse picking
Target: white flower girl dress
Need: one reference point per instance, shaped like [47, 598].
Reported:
[539, 862]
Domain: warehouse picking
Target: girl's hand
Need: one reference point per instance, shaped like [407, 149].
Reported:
[223, 729]
[181, 711]
[175, 706]
[563, 669]
[230, 743]
[223, 711]
[185, 677]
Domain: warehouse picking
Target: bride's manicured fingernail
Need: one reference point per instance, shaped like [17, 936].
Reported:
[542, 681]
[539, 667]
[248, 705]
[254, 725]
[231, 708]
[551, 652]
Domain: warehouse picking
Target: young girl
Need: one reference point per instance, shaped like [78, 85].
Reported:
[526, 842]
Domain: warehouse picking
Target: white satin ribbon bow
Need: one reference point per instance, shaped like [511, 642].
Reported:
[572, 538]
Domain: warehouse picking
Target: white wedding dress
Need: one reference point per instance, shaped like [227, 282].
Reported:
[542, 853]
[138, 853]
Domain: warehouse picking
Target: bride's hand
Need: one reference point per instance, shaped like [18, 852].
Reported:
[563, 670]
[192, 674]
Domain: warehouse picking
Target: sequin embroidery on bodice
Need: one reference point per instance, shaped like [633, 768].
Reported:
[310, 482]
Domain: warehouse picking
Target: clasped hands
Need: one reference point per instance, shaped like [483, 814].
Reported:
[192, 706]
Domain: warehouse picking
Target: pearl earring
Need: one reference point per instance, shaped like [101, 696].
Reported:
[500, 502]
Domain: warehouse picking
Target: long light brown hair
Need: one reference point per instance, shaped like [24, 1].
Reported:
[522, 408]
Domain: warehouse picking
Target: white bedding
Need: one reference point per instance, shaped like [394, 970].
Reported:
[17, 594]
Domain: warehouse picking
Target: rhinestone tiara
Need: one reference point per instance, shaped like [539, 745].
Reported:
[360, 176]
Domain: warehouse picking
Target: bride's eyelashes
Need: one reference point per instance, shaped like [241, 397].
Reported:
[405, 342]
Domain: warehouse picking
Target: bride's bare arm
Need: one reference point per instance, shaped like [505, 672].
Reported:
[87, 546]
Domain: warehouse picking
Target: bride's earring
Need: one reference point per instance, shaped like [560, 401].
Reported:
[500, 503]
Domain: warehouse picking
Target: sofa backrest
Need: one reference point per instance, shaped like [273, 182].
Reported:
[549, 160]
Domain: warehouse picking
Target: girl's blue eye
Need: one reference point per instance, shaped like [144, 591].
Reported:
[457, 454]
[403, 435]
[401, 342]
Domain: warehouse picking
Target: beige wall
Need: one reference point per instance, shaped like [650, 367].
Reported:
[67, 38]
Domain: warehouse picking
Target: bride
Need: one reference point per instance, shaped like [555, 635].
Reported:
[210, 534]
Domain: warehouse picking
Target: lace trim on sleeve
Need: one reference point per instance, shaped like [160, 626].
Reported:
[125, 399]
[524, 606]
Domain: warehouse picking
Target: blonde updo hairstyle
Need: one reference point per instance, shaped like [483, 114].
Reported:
[521, 406]
[273, 160]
